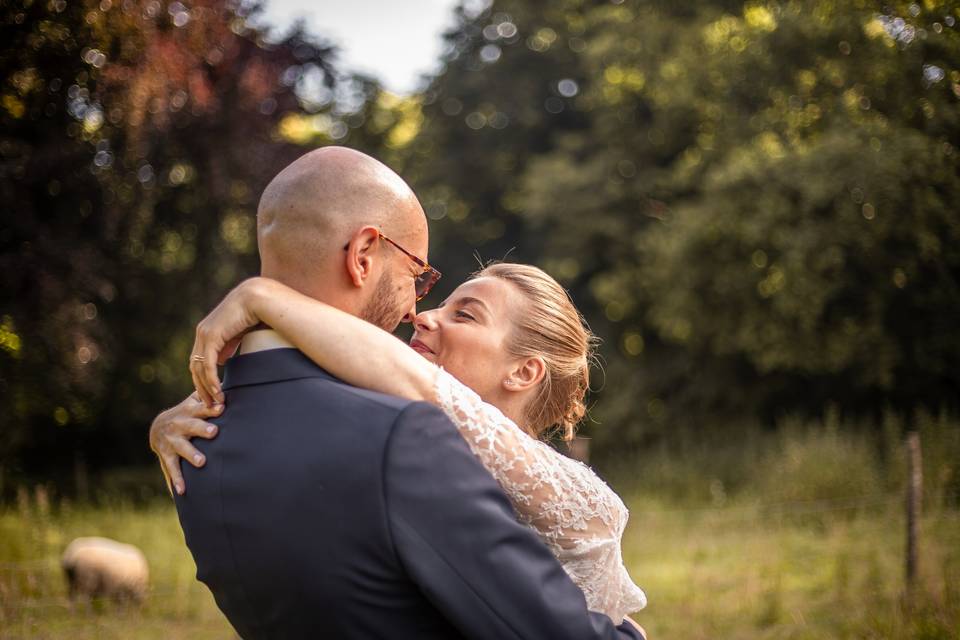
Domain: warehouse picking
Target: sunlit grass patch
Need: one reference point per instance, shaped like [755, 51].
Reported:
[33, 595]
[737, 573]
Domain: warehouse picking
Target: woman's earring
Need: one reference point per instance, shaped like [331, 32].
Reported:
[509, 382]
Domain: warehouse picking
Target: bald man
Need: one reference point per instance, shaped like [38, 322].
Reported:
[326, 511]
[335, 197]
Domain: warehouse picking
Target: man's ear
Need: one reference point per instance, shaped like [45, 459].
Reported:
[527, 373]
[360, 251]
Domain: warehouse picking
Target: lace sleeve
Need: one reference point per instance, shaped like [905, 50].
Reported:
[575, 513]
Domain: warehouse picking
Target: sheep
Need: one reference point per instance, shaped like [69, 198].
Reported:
[102, 567]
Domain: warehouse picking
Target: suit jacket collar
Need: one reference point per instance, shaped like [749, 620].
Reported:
[271, 365]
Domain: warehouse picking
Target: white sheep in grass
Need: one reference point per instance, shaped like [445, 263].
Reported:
[100, 567]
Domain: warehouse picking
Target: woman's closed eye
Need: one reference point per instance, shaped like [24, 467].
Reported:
[463, 314]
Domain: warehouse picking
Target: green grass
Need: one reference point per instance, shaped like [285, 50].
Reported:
[33, 600]
[740, 571]
[751, 572]
[795, 534]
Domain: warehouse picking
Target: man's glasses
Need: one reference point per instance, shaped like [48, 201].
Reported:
[427, 278]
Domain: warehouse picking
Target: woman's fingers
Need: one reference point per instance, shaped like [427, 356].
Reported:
[218, 335]
[196, 374]
[203, 364]
[169, 435]
[188, 452]
[171, 464]
[186, 420]
[194, 429]
[203, 411]
[167, 423]
[211, 380]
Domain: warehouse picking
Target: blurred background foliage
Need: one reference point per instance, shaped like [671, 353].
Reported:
[753, 203]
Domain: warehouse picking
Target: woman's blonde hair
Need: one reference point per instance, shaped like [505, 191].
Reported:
[551, 327]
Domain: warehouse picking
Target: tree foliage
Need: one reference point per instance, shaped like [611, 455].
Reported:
[752, 202]
[136, 138]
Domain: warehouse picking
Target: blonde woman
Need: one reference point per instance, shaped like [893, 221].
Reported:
[507, 357]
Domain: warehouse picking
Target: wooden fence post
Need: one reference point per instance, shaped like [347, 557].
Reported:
[914, 505]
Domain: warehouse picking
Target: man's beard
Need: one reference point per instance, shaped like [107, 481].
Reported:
[382, 309]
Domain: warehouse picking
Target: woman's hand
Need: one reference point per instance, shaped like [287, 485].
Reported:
[637, 626]
[218, 336]
[170, 436]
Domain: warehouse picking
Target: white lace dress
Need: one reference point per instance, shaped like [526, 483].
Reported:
[574, 512]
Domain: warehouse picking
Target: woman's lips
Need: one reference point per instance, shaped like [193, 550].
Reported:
[419, 347]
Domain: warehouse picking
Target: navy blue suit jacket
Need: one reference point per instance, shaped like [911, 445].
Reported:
[328, 511]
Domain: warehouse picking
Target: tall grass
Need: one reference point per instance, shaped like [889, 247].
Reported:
[797, 532]
[793, 533]
[33, 600]
[799, 460]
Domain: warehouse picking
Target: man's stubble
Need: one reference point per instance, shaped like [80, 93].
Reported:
[383, 308]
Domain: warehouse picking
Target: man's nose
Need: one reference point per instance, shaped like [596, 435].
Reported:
[411, 315]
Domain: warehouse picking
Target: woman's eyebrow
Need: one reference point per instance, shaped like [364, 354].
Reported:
[468, 300]
[465, 300]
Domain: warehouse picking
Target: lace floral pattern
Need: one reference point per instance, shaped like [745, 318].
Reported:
[574, 512]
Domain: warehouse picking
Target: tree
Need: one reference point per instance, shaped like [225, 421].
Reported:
[750, 201]
[136, 138]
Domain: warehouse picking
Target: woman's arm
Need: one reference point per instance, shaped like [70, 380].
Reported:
[642, 631]
[349, 348]
[571, 504]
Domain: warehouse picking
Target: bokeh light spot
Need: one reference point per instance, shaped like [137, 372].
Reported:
[568, 88]
[633, 344]
[490, 53]
[61, 416]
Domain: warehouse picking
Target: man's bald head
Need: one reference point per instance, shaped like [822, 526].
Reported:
[311, 208]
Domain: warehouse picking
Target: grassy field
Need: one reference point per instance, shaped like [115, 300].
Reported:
[756, 573]
[808, 544]
[33, 601]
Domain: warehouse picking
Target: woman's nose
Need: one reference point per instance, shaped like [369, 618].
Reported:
[425, 321]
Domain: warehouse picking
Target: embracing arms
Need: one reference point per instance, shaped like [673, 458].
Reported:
[563, 500]
[346, 346]
[572, 509]
[567, 503]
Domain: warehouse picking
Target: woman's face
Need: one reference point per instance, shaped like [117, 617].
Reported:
[468, 334]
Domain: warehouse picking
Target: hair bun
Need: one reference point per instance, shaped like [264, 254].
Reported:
[551, 328]
[571, 418]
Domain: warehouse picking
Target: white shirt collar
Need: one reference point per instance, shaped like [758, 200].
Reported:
[263, 339]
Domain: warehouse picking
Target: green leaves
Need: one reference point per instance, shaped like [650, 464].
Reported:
[759, 194]
[135, 143]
